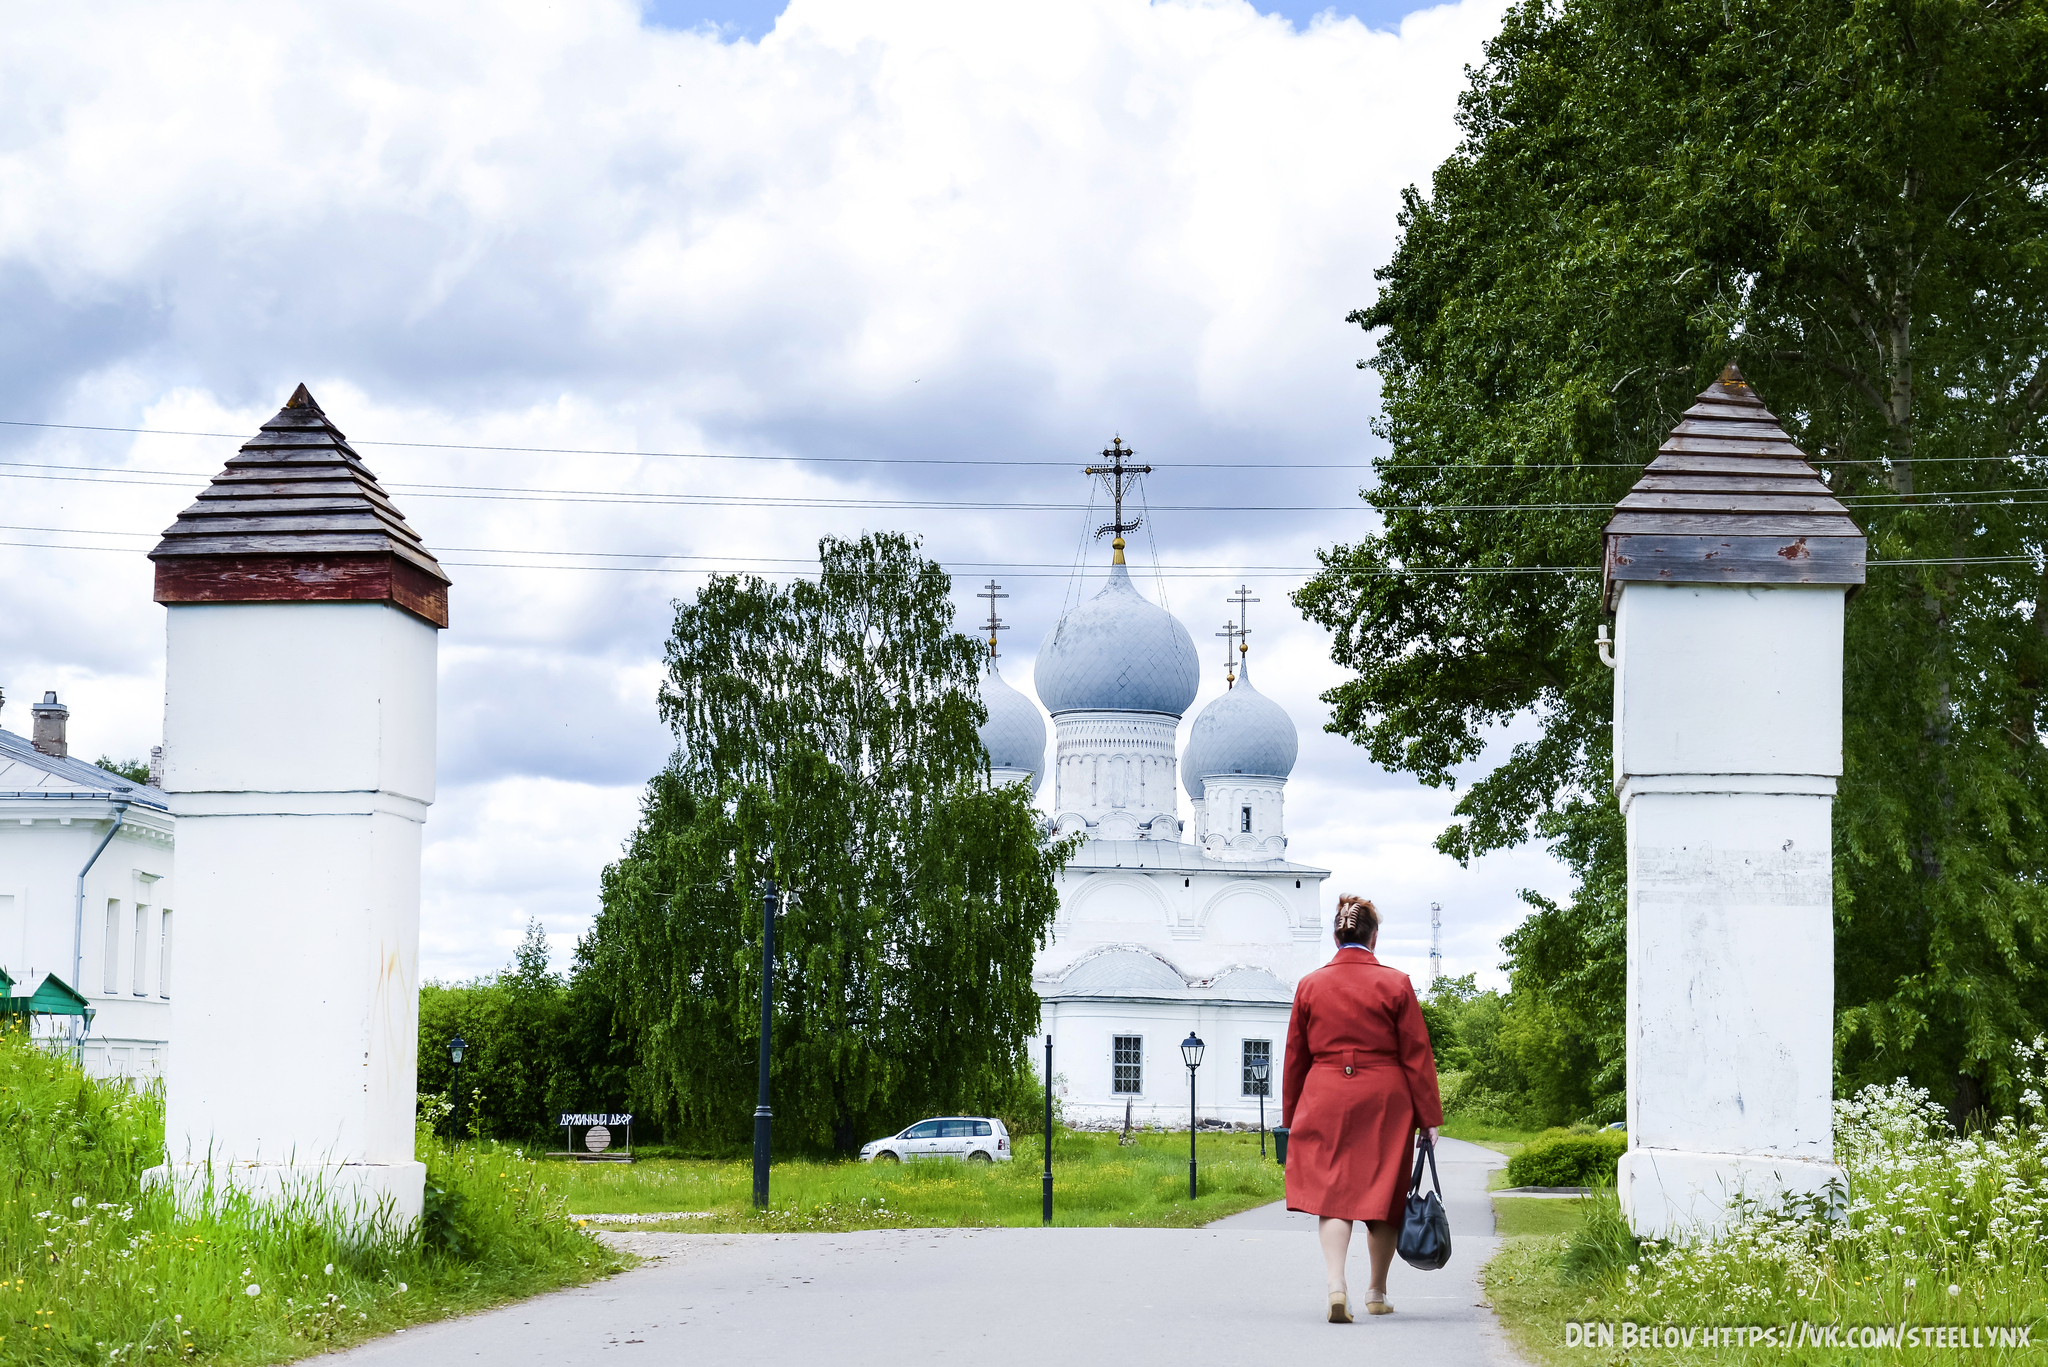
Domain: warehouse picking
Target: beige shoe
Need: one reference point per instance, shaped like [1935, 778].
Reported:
[1376, 1303]
[1340, 1308]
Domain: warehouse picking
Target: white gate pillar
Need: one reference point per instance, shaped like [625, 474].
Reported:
[1727, 568]
[299, 703]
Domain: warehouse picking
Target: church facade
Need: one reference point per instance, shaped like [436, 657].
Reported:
[1165, 927]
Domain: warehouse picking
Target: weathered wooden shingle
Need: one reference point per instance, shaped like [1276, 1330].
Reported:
[1730, 499]
[296, 516]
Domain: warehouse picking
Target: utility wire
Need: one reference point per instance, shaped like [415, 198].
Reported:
[499, 493]
[944, 460]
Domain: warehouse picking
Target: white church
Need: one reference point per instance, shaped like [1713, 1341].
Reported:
[1165, 927]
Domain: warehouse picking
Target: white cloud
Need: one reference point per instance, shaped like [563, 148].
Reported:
[888, 229]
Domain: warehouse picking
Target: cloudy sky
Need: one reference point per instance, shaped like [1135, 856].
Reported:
[754, 273]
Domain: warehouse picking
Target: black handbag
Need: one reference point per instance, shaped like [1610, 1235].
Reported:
[1425, 1229]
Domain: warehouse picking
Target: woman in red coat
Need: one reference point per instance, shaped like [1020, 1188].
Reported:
[1358, 1079]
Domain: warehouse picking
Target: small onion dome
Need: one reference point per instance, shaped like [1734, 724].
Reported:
[1014, 734]
[1242, 732]
[1118, 652]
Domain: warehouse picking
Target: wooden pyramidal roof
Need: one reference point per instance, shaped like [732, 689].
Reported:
[296, 516]
[1729, 499]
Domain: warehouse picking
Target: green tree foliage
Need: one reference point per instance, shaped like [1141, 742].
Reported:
[826, 739]
[537, 1046]
[134, 770]
[1847, 196]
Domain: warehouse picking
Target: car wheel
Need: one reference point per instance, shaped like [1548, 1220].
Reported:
[978, 1156]
[886, 1157]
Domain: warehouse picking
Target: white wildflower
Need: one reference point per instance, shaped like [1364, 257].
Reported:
[252, 1290]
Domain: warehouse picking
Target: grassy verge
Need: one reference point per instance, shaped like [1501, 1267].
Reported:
[1501, 1138]
[1521, 1216]
[1095, 1182]
[94, 1269]
[1935, 1232]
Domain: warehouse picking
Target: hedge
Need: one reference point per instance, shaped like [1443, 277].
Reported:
[1568, 1160]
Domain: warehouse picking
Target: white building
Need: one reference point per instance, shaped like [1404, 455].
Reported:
[86, 898]
[1165, 927]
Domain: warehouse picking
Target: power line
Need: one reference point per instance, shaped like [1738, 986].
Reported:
[1023, 569]
[945, 460]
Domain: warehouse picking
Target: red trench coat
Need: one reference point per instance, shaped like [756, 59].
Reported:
[1358, 1078]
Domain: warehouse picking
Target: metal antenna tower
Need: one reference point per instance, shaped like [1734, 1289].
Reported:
[1118, 477]
[995, 623]
[1436, 942]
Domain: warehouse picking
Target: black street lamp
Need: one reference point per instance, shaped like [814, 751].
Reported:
[764, 1119]
[1261, 1070]
[455, 1048]
[1048, 1130]
[1191, 1050]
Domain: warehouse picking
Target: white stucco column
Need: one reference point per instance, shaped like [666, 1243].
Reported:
[1727, 571]
[299, 753]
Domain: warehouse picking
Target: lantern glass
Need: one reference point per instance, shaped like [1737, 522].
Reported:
[1261, 1070]
[455, 1048]
[1191, 1049]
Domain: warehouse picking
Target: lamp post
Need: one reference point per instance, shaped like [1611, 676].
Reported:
[1261, 1070]
[1191, 1050]
[764, 1119]
[1048, 1130]
[455, 1049]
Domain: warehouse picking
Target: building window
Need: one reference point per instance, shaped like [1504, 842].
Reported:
[1258, 1051]
[1127, 1065]
[1244, 818]
[141, 985]
[110, 977]
[163, 968]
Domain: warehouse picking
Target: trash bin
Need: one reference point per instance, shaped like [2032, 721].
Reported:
[1280, 1145]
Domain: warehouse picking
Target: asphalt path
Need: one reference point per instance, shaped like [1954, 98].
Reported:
[993, 1297]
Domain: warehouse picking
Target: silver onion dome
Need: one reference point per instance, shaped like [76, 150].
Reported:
[1014, 734]
[1118, 652]
[1242, 732]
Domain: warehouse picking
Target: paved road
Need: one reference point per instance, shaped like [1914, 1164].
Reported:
[1251, 1283]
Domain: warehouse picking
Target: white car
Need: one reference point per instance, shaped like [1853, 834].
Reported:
[974, 1139]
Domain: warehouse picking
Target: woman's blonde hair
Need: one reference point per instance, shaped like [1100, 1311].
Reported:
[1357, 920]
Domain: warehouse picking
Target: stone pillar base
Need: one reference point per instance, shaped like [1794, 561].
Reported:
[359, 1199]
[1679, 1194]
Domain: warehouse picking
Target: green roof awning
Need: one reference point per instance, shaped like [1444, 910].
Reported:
[54, 997]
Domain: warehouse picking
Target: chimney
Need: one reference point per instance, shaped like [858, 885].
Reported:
[50, 717]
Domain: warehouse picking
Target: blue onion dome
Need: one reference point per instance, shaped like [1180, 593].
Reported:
[1118, 652]
[1242, 732]
[1014, 734]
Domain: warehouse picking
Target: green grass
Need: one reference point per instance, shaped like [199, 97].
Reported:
[1502, 1138]
[1095, 1182]
[1935, 1230]
[1514, 1216]
[94, 1269]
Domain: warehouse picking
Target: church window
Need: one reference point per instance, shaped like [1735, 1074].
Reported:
[163, 969]
[140, 987]
[1244, 818]
[1127, 1064]
[1257, 1051]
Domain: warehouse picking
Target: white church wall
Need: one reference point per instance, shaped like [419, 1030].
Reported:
[1084, 1034]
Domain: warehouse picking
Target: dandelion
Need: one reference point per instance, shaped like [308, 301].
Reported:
[330, 1269]
[77, 1201]
[1954, 1290]
[252, 1290]
[401, 1286]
